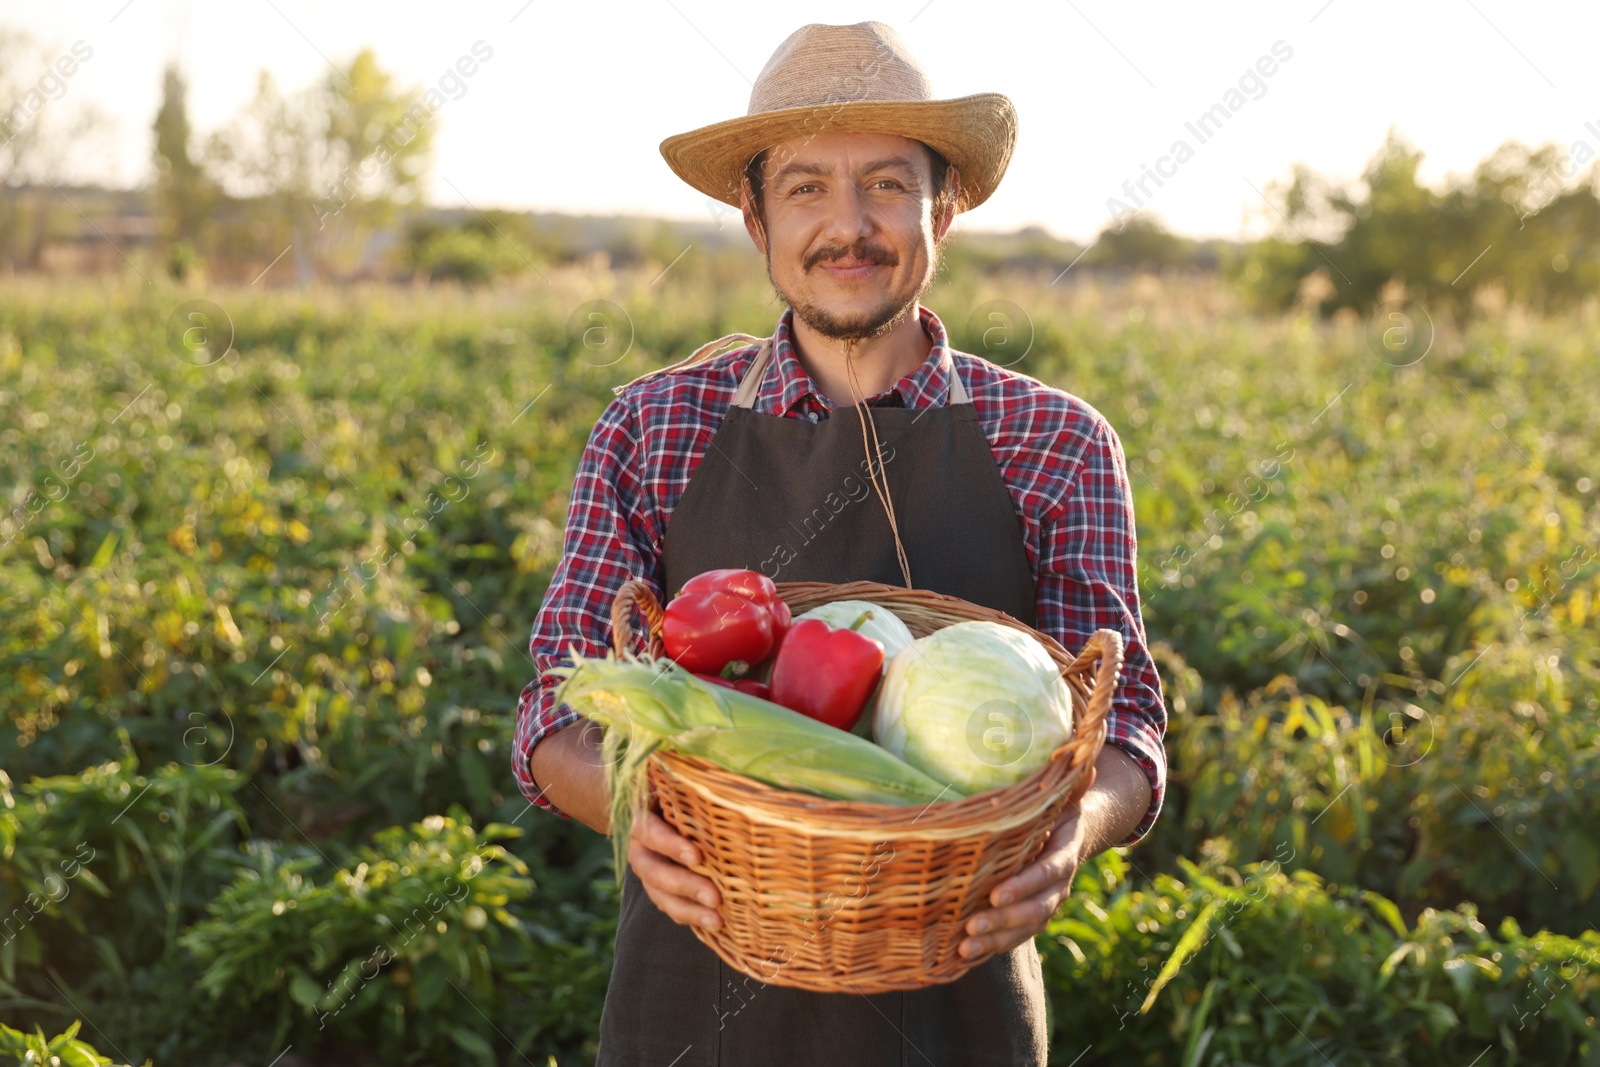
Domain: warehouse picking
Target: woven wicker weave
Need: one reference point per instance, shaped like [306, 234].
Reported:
[839, 896]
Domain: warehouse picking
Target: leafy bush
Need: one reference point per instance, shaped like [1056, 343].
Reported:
[476, 251]
[1256, 966]
[1432, 803]
[159, 845]
[416, 947]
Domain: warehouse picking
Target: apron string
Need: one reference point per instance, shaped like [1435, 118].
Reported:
[865, 414]
[958, 395]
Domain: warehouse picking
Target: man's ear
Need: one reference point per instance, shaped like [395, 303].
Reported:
[752, 223]
[946, 210]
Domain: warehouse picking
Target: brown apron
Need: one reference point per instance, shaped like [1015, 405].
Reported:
[790, 497]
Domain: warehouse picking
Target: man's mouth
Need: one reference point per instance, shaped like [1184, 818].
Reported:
[851, 264]
[850, 267]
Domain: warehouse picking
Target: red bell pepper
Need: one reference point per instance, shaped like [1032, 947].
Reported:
[723, 618]
[827, 673]
[743, 685]
[753, 687]
[752, 585]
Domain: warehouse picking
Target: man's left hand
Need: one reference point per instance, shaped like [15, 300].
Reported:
[1025, 903]
[1111, 807]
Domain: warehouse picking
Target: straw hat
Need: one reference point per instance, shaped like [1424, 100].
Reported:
[849, 79]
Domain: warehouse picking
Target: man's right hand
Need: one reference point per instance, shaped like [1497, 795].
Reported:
[661, 858]
[567, 766]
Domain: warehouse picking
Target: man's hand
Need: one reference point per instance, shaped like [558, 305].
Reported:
[1025, 903]
[1037, 890]
[661, 858]
[567, 766]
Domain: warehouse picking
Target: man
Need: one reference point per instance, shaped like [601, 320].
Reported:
[988, 485]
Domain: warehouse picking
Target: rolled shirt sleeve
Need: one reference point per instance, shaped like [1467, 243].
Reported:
[1088, 580]
[606, 543]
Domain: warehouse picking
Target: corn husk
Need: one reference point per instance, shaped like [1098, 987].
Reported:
[645, 704]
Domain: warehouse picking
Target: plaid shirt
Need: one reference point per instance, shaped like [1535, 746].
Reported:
[1059, 457]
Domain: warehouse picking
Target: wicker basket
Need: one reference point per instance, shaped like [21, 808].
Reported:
[840, 896]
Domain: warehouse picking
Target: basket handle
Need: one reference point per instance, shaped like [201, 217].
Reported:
[1107, 646]
[636, 593]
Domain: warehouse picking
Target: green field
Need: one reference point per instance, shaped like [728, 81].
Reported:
[264, 617]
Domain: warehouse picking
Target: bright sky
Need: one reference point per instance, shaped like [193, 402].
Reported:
[568, 112]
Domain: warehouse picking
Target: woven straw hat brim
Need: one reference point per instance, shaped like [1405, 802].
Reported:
[975, 133]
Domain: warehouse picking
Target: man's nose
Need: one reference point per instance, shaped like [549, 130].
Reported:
[851, 217]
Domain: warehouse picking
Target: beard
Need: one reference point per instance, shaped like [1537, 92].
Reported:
[890, 312]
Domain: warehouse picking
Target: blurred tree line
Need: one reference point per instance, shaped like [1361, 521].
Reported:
[334, 174]
[330, 178]
[1517, 230]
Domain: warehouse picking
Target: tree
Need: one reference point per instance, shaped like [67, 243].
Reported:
[1512, 225]
[184, 193]
[1140, 243]
[265, 155]
[379, 139]
[329, 161]
[39, 133]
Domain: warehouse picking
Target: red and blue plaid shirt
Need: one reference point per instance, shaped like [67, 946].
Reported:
[1059, 457]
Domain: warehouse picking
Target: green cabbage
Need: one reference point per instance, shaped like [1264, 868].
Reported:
[977, 704]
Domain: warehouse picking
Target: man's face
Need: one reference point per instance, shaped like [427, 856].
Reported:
[850, 230]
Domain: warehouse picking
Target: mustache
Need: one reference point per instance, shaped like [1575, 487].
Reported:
[861, 250]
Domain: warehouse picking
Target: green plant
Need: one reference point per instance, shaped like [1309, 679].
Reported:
[18, 1049]
[379, 950]
[294, 584]
[1256, 966]
[1478, 794]
[158, 844]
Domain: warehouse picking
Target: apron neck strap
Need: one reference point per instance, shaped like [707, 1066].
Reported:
[750, 384]
[704, 352]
